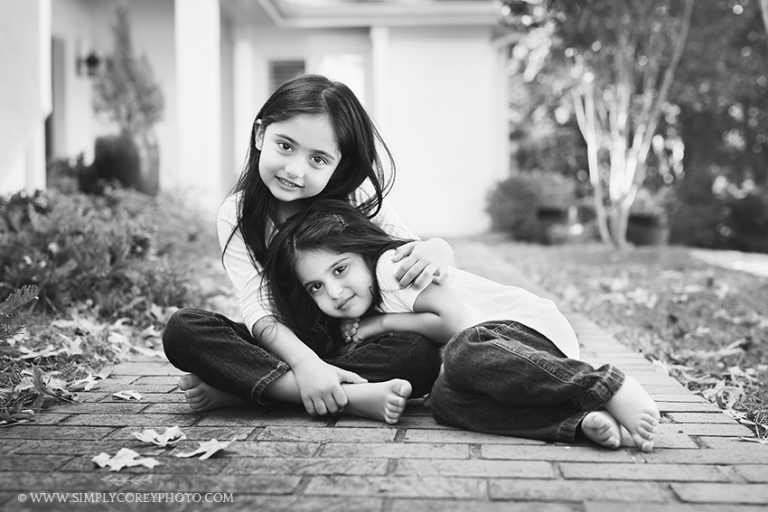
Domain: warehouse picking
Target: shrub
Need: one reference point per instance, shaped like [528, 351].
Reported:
[514, 204]
[106, 249]
[746, 224]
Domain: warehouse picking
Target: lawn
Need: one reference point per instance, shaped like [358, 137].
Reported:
[705, 325]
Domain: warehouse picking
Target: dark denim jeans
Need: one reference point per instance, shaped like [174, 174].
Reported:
[503, 378]
[225, 355]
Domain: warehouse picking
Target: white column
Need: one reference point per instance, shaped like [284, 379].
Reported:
[198, 97]
[244, 95]
[25, 92]
[380, 67]
[36, 169]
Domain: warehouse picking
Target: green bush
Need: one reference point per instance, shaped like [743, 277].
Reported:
[746, 224]
[514, 204]
[122, 250]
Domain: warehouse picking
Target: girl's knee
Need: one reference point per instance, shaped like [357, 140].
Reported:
[179, 329]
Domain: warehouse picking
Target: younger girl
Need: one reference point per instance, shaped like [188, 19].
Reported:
[311, 139]
[331, 270]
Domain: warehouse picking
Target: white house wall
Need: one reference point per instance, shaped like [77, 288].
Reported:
[443, 108]
[73, 109]
[25, 92]
[198, 99]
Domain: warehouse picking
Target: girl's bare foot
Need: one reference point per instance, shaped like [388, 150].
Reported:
[202, 397]
[602, 428]
[636, 411]
[384, 401]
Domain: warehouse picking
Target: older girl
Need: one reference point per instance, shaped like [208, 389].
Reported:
[311, 139]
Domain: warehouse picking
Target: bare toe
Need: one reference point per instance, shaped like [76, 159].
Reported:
[189, 381]
[602, 428]
[636, 411]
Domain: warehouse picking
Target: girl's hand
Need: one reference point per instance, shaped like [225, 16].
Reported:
[349, 330]
[360, 329]
[320, 386]
[424, 263]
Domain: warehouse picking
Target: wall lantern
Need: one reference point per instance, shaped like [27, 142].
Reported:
[89, 65]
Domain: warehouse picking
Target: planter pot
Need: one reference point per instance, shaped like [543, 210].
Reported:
[553, 222]
[131, 159]
[647, 229]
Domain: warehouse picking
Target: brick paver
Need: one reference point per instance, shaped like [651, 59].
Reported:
[282, 459]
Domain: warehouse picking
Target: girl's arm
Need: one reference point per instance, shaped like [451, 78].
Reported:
[430, 261]
[437, 314]
[422, 262]
[319, 383]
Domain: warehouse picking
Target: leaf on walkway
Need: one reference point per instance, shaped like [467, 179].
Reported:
[754, 440]
[150, 332]
[128, 394]
[125, 457]
[170, 437]
[24, 416]
[49, 386]
[72, 347]
[48, 351]
[148, 351]
[207, 448]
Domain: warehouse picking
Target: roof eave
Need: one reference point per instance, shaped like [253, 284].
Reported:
[457, 13]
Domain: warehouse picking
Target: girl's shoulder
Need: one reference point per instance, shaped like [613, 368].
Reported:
[394, 299]
[228, 209]
[386, 269]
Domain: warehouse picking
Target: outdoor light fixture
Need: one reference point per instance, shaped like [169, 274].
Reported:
[89, 64]
[88, 61]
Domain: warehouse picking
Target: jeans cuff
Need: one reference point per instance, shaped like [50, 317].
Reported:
[568, 430]
[602, 391]
[280, 369]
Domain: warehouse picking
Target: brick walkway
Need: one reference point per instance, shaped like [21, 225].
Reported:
[284, 460]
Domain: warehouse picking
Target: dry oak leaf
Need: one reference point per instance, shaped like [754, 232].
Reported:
[125, 457]
[207, 448]
[128, 394]
[170, 437]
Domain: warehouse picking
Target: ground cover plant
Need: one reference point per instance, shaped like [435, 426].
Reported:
[94, 278]
[705, 325]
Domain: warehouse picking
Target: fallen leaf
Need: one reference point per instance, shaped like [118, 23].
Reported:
[125, 457]
[128, 394]
[148, 351]
[207, 448]
[754, 440]
[16, 418]
[170, 437]
[49, 386]
[85, 384]
[48, 351]
[72, 347]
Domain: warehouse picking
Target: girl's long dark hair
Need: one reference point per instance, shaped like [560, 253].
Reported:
[330, 225]
[355, 134]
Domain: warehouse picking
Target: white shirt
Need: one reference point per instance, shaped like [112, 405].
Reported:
[486, 300]
[252, 293]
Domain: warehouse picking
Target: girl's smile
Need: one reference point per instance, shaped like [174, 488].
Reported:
[298, 156]
[340, 284]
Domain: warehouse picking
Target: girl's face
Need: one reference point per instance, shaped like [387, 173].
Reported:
[340, 284]
[298, 156]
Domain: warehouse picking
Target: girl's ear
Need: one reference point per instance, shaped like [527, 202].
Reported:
[259, 138]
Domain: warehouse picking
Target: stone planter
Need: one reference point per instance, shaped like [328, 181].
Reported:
[647, 229]
[131, 159]
[554, 221]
